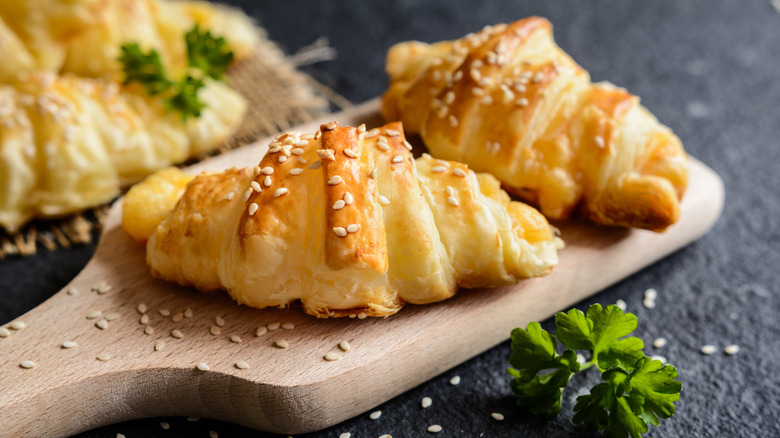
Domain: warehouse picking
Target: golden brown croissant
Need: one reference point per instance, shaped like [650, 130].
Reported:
[84, 36]
[347, 222]
[69, 143]
[509, 101]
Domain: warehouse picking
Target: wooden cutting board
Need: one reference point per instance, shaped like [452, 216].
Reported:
[286, 390]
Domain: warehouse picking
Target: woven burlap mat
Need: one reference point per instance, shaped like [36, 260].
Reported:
[279, 96]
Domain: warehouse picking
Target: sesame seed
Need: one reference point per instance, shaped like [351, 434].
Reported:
[219, 321]
[148, 330]
[103, 287]
[475, 74]
[102, 324]
[144, 319]
[297, 171]
[103, 357]
[340, 231]
[268, 170]
[384, 147]
[274, 149]
[350, 153]
[709, 349]
[453, 201]
[315, 165]
[476, 91]
[267, 181]
[282, 343]
[27, 364]
[659, 342]
[731, 349]
[4, 332]
[580, 358]
[235, 339]
[165, 425]
[383, 200]
[496, 416]
[338, 205]
[334, 180]
[241, 365]
[375, 415]
[449, 191]
[387, 435]
[288, 141]
[93, 314]
[408, 145]
[372, 133]
[487, 100]
[288, 326]
[522, 102]
[373, 174]
[453, 121]
[520, 88]
[255, 186]
[273, 326]
[650, 304]
[344, 346]
[459, 172]
[658, 358]
[73, 291]
[600, 141]
[397, 159]
[120, 435]
[449, 98]
[457, 76]
[252, 209]
[651, 294]
[455, 380]
[395, 133]
[214, 330]
[202, 366]
[177, 334]
[426, 402]
[434, 428]
[353, 228]
[621, 304]
[280, 191]
[508, 95]
[282, 158]
[438, 169]
[331, 126]
[537, 77]
[247, 194]
[345, 435]
[362, 315]
[361, 128]
[441, 112]
[302, 160]
[165, 312]
[213, 434]
[112, 316]
[331, 356]
[188, 313]
[348, 199]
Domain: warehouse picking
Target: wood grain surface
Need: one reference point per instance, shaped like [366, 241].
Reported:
[286, 390]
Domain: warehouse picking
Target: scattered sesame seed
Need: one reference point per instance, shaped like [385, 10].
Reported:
[537, 77]
[394, 133]
[103, 357]
[148, 330]
[280, 191]
[103, 287]
[449, 191]
[650, 304]
[93, 314]
[441, 112]
[434, 428]
[383, 200]
[362, 315]
[252, 209]
[353, 228]
[288, 326]
[384, 147]
[235, 339]
[4, 332]
[247, 194]
[267, 181]
[408, 145]
[302, 160]
[176, 333]
[659, 342]
[299, 151]
[522, 102]
[361, 128]
[438, 169]
[193, 419]
[387, 435]
[600, 141]
[144, 319]
[651, 294]
[345, 435]
[188, 313]
[202, 366]
[459, 172]
[142, 308]
[497, 416]
[165, 425]
[213, 434]
[282, 343]
[102, 324]
[230, 196]
[331, 126]
[348, 198]
[350, 153]
[331, 356]
[268, 170]
[338, 205]
[241, 365]
[112, 316]
[658, 358]
[165, 312]
[476, 91]
[214, 330]
[27, 364]
[158, 345]
[273, 326]
[219, 321]
[73, 291]
[334, 180]
[580, 358]
[487, 100]
[297, 171]
[344, 346]
[621, 304]
[372, 133]
[120, 435]
[373, 174]
[453, 201]
[455, 380]
[255, 186]
[398, 159]
[340, 231]
[731, 349]
[375, 415]
[709, 349]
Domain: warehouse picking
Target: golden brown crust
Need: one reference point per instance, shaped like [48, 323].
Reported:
[507, 100]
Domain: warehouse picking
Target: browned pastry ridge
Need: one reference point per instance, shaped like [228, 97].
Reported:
[507, 100]
[347, 222]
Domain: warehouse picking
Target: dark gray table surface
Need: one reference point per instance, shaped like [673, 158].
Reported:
[708, 69]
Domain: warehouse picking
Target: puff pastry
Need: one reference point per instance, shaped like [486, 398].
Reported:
[507, 100]
[84, 36]
[349, 223]
[69, 143]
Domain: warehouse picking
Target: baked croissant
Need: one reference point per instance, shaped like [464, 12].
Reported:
[507, 100]
[85, 36]
[347, 222]
[69, 143]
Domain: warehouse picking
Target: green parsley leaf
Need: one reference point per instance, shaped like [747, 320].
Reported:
[540, 372]
[145, 68]
[185, 99]
[208, 53]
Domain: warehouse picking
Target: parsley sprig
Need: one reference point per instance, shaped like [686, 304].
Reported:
[636, 390]
[207, 55]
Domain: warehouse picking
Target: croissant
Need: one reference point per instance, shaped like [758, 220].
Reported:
[347, 222]
[507, 100]
[84, 36]
[69, 143]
